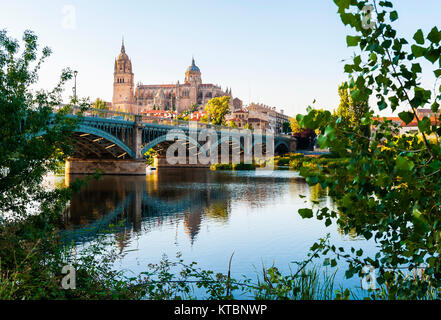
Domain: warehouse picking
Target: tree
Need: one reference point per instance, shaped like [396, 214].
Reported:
[33, 139]
[286, 127]
[232, 124]
[305, 136]
[194, 108]
[295, 128]
[349, 109]
[100, 104]
[217, 109]
[391, 189]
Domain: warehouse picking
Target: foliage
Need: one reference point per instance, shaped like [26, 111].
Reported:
[295, 128]
[349, 109]
[100, 104]
[390, 189]
[232, 124]
[150, 154]
[233, 166]
[286, 127]
[33, 139]
[194, 108]
[217, 109]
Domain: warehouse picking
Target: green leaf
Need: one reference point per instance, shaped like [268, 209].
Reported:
[418, 51]
[419, 37]
[353, 41]
[403, 164]
[406, 116]
[437, 73]
[435, 107]
[432, 55]
[424, 124]
[416, 68]
[382, 105]
[393, 16]
[434, 36]
[306, 213]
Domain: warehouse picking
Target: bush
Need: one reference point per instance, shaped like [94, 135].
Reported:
[244, 166]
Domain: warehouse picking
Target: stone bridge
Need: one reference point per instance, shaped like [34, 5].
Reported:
[120, 144]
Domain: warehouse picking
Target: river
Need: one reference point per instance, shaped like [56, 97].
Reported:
[207, 215]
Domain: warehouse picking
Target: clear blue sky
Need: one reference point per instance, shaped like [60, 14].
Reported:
[281, 53]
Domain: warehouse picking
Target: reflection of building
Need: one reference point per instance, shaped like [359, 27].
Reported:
[192, 224]
[175, 96]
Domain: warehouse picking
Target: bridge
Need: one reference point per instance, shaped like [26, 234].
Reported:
[119, 143]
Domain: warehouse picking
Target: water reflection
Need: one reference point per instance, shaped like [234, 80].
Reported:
[169, 197]
[206, 216]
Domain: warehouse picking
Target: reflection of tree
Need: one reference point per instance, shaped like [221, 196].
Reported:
[218, 210]
[317, 193]
[352, 233]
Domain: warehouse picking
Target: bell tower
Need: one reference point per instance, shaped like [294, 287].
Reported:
[123, 84]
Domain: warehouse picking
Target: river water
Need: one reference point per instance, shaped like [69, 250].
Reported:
[207, 215]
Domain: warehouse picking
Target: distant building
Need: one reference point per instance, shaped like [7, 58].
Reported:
[411, 127]
[259, 116]
[178, 97]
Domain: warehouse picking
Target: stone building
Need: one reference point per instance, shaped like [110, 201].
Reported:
[259, 116]
[177, 96]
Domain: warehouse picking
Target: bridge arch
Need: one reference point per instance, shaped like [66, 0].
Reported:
[110, 138]
[163, 138]
[281, 147]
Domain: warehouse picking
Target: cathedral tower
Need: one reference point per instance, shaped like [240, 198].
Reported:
[123, 84]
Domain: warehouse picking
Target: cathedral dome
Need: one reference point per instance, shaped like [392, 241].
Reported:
[193, 67]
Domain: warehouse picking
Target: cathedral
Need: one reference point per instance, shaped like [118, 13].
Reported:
[177, 97]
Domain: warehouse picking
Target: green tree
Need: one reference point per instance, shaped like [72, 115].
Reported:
[217, 109]
[100, 104]
[349, 109]
[391, 189]
[286, 127]
[33, 138]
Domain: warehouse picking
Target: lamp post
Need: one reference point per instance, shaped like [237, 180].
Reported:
[75, 85]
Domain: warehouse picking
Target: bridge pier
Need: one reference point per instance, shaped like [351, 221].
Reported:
[107, 167]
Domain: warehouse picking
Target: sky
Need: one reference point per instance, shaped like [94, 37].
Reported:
[284, 54]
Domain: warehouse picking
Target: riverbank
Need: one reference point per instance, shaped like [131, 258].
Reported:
[314, 163]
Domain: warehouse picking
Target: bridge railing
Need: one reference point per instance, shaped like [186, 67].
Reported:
[103, 113]
[160, 121]
[117, 115]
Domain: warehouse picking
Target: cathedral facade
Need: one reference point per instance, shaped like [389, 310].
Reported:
[177, 97]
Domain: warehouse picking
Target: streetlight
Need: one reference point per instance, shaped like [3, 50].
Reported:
[75, 86]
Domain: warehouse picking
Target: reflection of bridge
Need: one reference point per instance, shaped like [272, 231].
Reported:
[118, 144]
